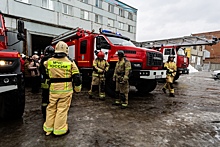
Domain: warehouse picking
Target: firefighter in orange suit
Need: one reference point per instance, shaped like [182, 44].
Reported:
[121, 76]
[170, 66]
[100, 67]
[64, 76]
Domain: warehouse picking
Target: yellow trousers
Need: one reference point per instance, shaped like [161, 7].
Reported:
[56, 115]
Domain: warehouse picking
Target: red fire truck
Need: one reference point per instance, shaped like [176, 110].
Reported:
[176, 47]
[146, 64]
[12, 91]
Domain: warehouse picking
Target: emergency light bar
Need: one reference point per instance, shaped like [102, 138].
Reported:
[108, 31]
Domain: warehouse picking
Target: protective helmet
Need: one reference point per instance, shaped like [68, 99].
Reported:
[121, 53]
[49, 50]
[101, 55]
[61, 47]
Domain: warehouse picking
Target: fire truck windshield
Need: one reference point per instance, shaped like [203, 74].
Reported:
[120, 41]
[181, 52]
[0, 24]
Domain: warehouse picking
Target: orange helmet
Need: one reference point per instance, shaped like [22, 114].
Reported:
[101, 55]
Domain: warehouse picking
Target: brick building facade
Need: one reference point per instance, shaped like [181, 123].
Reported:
[214, 49]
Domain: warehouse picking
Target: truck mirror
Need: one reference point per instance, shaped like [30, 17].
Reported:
[20, 36]
[20, 26]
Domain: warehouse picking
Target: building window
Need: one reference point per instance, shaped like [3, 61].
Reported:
[98, 3]
[85, 1]
[121, 12]
[130, 16]
[84, 14]
[48, 4]
[67, 9]
[25, 1]
[98, 18]
[111, 8]
[130, 28]
[110, 22]
[121, 25]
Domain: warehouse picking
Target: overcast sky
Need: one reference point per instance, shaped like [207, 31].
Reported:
[163, 19]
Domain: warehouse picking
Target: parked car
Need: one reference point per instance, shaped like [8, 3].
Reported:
[216, 74]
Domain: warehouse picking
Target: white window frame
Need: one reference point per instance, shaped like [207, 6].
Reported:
[130, 28]
[49, 4]
[83, 14]
[121, 25]
[111, 8]
[121, 12]
[98, 3]
[110, 22]
[69, 9]
[130, 16]
[98, 19]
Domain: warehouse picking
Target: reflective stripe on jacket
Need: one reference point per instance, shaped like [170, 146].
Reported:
[100, 66]
[61, 68]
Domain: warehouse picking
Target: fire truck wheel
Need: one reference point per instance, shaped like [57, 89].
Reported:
[12, 104]
[144, 88]
[110, 84]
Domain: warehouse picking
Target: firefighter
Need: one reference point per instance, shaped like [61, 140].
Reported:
[170, 66]
[100, 67]
[48, 53]
[121, 76]
[64, 76]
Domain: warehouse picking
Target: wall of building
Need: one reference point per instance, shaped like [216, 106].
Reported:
[51, 20]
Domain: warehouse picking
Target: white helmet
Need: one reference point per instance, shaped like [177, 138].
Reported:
[61, 47]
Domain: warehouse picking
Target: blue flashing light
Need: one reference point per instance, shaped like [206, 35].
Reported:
[108, 31]
[119, 34]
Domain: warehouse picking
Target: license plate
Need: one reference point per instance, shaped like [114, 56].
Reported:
[158, 76]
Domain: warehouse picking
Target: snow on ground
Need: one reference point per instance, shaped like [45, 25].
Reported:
[192, 69]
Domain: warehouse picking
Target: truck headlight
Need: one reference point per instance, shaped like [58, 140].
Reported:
[2, 62]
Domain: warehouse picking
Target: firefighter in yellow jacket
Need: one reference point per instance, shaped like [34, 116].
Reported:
[64, 76]
[171, 68]
[100, 67]
[121, 76]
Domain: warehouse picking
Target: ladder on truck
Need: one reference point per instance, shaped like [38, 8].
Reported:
[69, 35]
[181, 41]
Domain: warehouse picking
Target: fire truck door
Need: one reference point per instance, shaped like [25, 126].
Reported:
[84, 53]
[102, 44]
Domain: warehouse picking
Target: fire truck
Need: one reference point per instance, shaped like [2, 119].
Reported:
[146, 64]
[12, 90]
[176, 47]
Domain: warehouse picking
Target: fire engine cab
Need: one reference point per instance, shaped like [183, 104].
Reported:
[12, 90]
[175, 46]
[146, 64]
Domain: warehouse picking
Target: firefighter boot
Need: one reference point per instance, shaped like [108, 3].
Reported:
[124, 105]
[164, 90]
[117, 99]
[172, 95]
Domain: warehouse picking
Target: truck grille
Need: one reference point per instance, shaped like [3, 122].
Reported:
[154, 59]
